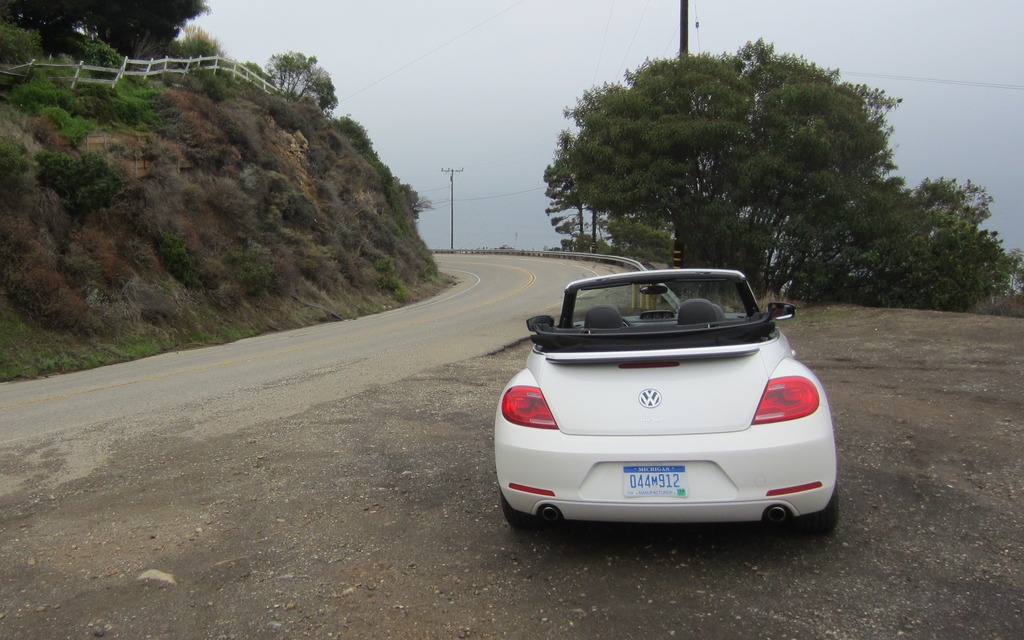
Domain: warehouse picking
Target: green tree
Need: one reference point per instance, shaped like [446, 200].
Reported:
[640, 240]
[299, 76]
[561, 190]
[772, 165]
[663, 149]
[940, 257]
[129, 26]
[18, 45]
[813, 175]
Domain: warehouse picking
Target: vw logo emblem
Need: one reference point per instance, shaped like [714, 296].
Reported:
[650, 398]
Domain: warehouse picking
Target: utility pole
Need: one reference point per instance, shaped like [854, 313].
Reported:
[684, 50]
[684, 27]
[451, 177]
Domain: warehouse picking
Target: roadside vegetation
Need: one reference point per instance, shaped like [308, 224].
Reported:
[767, 163]
[186, 210]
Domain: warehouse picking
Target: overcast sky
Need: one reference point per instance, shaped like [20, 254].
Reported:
[481, 85]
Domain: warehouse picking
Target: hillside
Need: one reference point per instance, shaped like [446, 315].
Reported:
[160, 215]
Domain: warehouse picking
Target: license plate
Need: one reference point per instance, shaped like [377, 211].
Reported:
[655, 480]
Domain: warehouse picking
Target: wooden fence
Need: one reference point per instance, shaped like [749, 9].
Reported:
[87, 73]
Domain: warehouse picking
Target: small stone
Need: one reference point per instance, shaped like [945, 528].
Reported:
[157, 576]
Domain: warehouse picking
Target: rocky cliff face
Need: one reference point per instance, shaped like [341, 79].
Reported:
[224, 218]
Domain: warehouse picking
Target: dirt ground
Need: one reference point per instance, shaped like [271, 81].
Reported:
[378, 517]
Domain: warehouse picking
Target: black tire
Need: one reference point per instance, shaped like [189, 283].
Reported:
[820, 522]
[521, 520]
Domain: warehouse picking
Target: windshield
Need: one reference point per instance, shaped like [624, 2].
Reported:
[660, 301]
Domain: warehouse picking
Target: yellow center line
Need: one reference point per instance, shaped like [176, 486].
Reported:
[370, 332]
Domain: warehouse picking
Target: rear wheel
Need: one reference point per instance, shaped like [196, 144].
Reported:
[518, 519]
[823, 521]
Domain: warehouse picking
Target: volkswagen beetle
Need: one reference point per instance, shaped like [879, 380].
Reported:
[665, 396]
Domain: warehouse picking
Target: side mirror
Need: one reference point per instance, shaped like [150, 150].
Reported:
[781, 310]
[540, 323]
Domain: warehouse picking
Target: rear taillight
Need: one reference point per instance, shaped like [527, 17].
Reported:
[787, 399]
[526, 406]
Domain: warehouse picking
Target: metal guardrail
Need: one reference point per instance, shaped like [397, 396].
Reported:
[567, 255]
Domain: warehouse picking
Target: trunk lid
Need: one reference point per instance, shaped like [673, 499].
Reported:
[662, 392]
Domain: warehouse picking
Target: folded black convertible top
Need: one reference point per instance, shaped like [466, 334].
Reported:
[647, 337]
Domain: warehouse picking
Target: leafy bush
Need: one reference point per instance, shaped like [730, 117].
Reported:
[389, 282]
[37, 93]
[178, 260]
[131, 103]
[195, 42]
[135, 101]
[252, 268]
[60, 105]
[216, 87]
[18, 46]
[83, 184]
[94, 51]
[13, 158]
[74, 128]
[357, 135]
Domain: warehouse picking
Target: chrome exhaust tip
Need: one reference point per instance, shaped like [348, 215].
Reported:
[777, 514]
[550, 513]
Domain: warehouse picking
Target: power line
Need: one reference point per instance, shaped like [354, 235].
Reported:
[604, 41]
[633, 39]
[960, 83]
[432, 51]
[503, 195]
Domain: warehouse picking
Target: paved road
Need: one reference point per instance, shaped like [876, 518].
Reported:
[283, 374]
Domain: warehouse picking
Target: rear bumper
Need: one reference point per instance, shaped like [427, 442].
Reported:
[732, 477]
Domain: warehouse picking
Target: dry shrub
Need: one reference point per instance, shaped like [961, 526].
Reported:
[186, 120]
[80, 267]
[49, 216]
[46, 134]
[242, 129]
[148, 301]
[45, 294]
[318, 267]
[355, 269]
[228, 295]
[287, 275]
[100, 246]
[1006, 305]
[140, 253]
[226, 197]
[213, 272]
[32, 280]
[166, 159]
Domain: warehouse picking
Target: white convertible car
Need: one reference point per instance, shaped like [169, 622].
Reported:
[665, 396]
